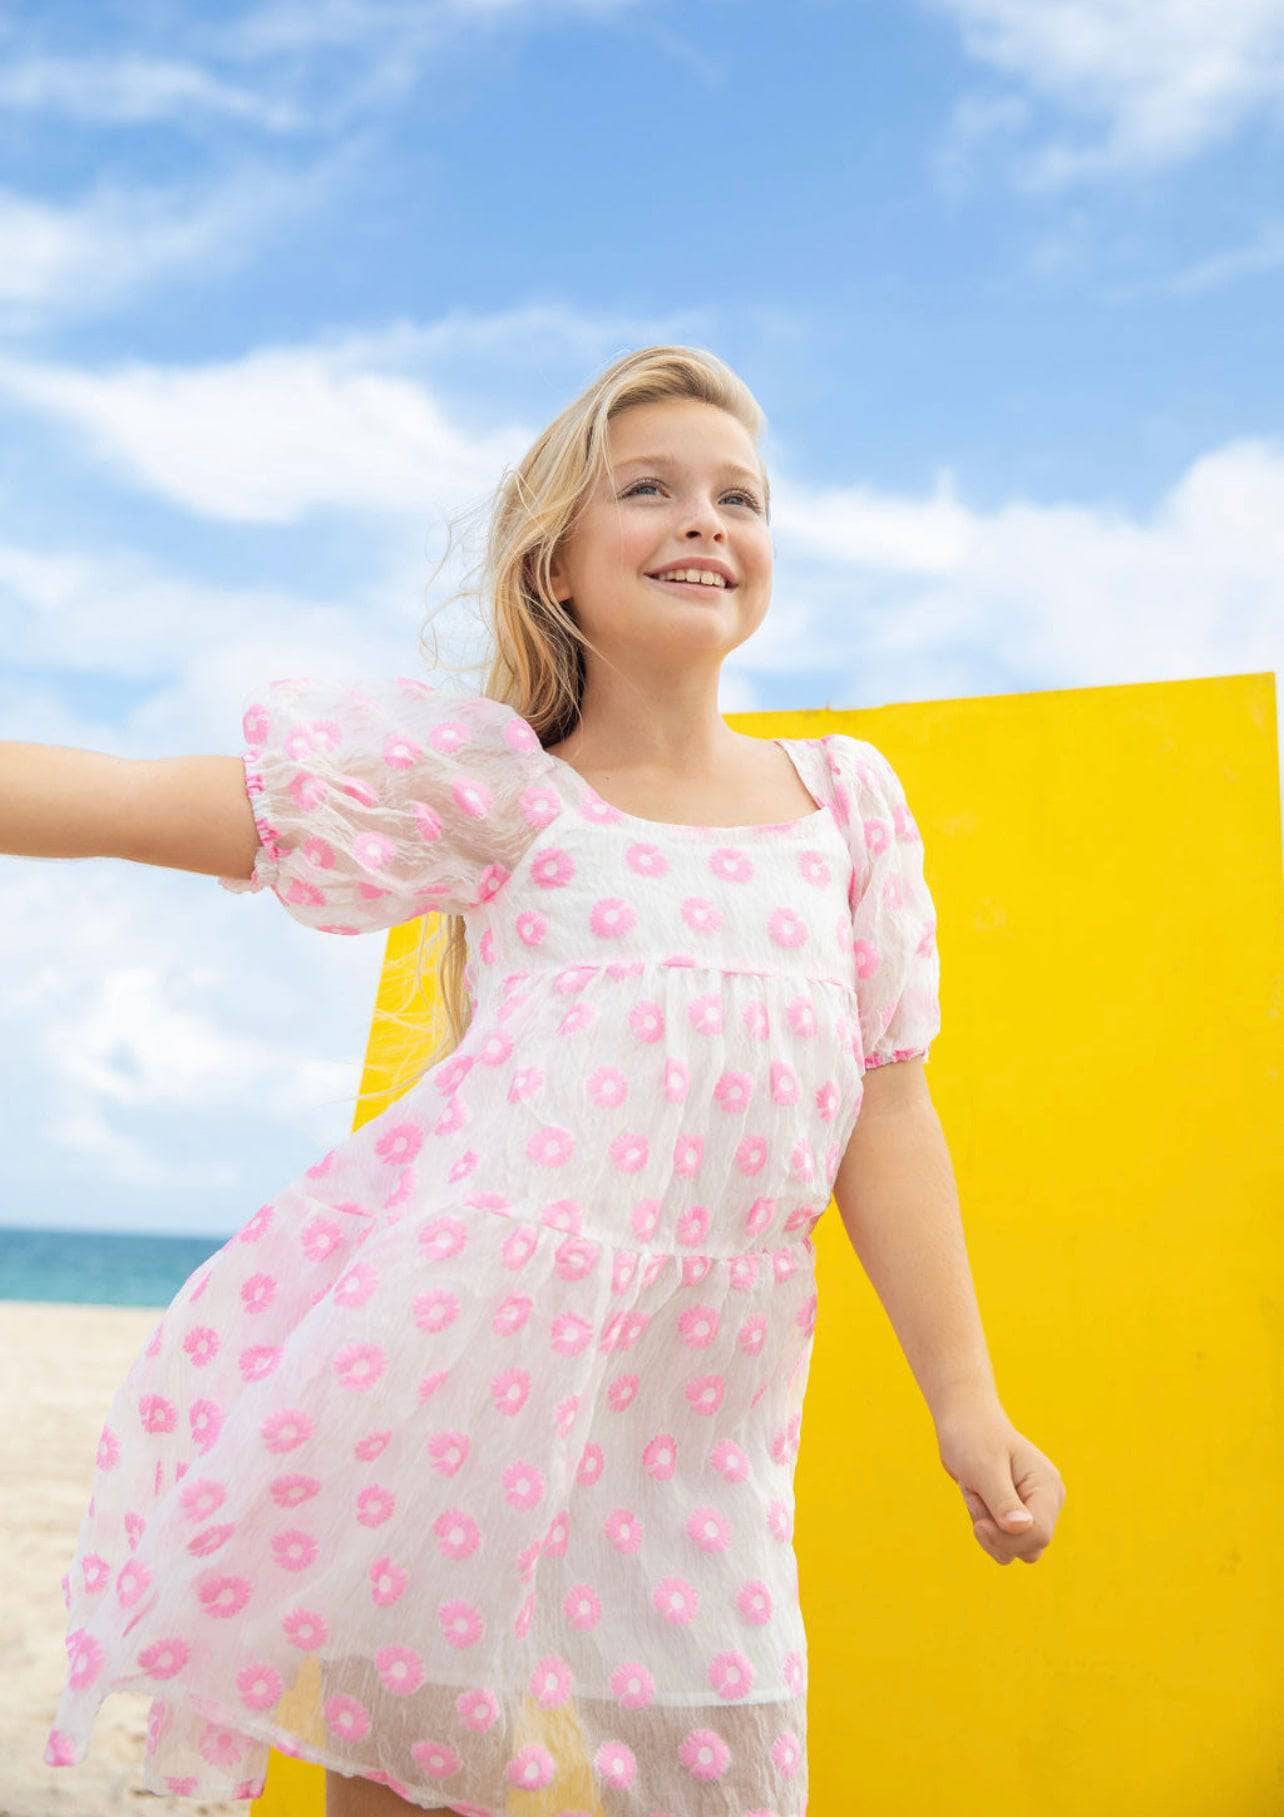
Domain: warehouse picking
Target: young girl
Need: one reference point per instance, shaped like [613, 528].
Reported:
[465, 1467]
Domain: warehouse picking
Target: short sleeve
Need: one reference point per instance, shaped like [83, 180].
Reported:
[892, 913]
[386, 799]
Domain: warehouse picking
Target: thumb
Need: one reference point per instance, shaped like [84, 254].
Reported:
[1008, 1509]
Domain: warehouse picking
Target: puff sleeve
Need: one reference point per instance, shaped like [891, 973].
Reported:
[893, 916]
[386, 799]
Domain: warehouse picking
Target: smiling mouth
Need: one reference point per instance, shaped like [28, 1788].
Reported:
[690, 586]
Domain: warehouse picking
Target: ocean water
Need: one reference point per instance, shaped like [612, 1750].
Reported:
[98, 1267]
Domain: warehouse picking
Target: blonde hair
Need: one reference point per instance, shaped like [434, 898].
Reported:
[538, 663]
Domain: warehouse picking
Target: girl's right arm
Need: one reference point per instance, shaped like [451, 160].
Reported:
[188, 813]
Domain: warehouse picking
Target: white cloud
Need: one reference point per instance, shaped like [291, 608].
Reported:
[271, 436]
[60, 261]
[1155, 82]
[128, 90]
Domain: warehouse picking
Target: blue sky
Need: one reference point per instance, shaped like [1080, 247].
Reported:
[283, 286]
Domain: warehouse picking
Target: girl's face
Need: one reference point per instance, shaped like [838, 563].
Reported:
[686, 485]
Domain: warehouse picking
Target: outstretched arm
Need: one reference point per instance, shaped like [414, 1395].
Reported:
[187, 813]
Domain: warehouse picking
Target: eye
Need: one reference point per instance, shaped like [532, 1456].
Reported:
[737, 492]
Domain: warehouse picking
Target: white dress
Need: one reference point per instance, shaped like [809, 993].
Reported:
[466, 1465]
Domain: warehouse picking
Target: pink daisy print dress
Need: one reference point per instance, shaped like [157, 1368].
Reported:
[466, 1465]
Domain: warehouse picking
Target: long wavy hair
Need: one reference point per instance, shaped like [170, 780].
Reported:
[537, 665]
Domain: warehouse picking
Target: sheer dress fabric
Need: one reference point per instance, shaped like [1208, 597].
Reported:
[466, 1465]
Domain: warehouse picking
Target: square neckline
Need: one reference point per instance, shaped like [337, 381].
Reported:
[760, 827]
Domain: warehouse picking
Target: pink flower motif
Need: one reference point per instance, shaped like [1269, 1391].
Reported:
[645, 859]
[629, 1151]
[360, 1366]
[616, 1764]
[436, 1308]
[705, 1014]
[258, 1361]
[693, 1225]
[704, 1754]
[108, 1450]
[570, 1334]
[401, 1669]
[223, 1596]
[828, 1099]
[700, 915]
[582, 1607]
[646, 1021]
[259, 1686]
[632, 1685]
[292, 1491]
[399, 1143]
[439, 1761]
[201, 1498]
[621, 1392]
[688, 1153]
[442, 1238]
[448, 1452]
[710, 1530]
[676, 1600]
[698, 1325]
[550, 1146]
[206, 1543]
[202, 1345]
[293, 1549]
[164, 1658]
[306, 1629]
[347, 1717]
[387, 1582]
[131, 1581]
[257, 1293]
[510, 1390]
[511, 1314]
[222, 1747]
[478, 1710]
[286, 1430]
[592, 1463]
[752, 1335]
[157, 1414]
[320, 1238]
[611, 917]
[457, 1533]
[462, 1625]
[704, 1393]
[159, 1721]
[205, 1418]
[754, 1601]
[85, 1656]
[531, 1768]
[731, 1675]
[523, 1485]
[375, 1505]
[372, 1446]
[731, 864]
[780, 1520]
[579, 1016]
[624, 1530]
[95, 1572]
[800, 1013]
[550, 1681]
[786, 928]
[751, 1155]
[607, 1087]
[868, 958]
[733, 1092]
[786, 1753]
[659, 1456]
[531, 928]
[815, 867]
[784, 1084]
[553, 868]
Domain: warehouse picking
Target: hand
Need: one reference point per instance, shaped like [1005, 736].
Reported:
[999, 1471]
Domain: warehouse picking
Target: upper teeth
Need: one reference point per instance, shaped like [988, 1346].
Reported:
[705, 575]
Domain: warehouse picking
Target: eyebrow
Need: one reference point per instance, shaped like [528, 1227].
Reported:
[669, 460]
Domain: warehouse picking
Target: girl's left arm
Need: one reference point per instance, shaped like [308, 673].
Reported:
[897, 1197]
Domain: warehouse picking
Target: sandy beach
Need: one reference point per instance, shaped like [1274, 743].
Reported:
[59, 1368]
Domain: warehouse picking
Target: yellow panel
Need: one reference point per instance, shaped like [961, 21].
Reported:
[1106, 869]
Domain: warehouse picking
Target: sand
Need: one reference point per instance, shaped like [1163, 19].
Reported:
[59, 1368]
